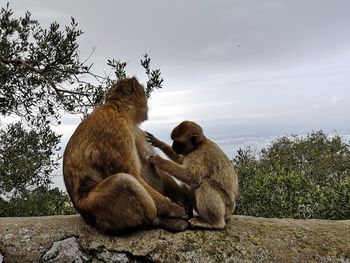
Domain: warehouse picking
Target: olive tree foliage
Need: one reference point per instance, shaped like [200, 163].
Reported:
[26, 158]
[41, 77]
[35, 65]
[41, 72]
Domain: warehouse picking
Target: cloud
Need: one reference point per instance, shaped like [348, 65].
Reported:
[335, 99]
[66, 129]
[260, 62]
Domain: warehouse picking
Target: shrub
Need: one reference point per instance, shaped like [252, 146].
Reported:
[40, 202]
[297, 177]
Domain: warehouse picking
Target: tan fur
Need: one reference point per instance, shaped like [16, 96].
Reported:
[106, 168]
[212, 183]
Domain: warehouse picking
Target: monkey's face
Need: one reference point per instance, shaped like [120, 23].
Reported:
[187, 137]
[182, 147]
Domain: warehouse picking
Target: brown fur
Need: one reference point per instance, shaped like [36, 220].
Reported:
[212, 183]
[106, 169]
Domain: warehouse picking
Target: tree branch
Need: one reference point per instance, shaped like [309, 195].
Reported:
[41, 72]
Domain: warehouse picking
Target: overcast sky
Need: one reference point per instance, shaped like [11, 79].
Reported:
[235, 66]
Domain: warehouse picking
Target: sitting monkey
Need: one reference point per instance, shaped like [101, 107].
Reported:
[210, 178]
[106, 169]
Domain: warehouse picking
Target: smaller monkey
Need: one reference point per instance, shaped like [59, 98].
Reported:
[208, 174]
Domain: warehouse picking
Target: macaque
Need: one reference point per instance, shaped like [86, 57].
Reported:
[210, 178]
[106, 169]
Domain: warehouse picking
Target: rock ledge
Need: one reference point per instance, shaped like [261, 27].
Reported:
[246, 239]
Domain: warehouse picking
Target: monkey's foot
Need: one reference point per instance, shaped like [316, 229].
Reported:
[201, 223]
[173, 224]
[172, 210]
[187, 206]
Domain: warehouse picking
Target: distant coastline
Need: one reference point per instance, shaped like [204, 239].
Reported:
[229, 144]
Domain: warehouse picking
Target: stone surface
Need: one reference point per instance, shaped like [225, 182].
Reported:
[245, 239]
[65, 250]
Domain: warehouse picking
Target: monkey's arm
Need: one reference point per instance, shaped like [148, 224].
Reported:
[164, 147]
[179, 171]
[171, 154]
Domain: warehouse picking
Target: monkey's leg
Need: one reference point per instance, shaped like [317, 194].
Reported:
[210, 207]
[201, 223]
[165, 208]
[119, 202]
[230, 209]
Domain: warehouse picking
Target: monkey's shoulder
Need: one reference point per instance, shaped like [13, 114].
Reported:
[214, 153]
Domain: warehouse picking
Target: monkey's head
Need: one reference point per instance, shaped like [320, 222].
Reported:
[129, 94]
[187, 137]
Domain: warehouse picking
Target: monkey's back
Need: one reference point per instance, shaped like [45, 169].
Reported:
[97, 149]
[217, 167]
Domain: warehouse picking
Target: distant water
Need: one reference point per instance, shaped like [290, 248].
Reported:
[229, 144]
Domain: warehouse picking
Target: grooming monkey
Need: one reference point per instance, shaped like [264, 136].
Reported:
[212, 183]
[106, 169]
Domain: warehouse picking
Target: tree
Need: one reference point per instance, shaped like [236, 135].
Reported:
[42, 76]
[26, 159]
[36, 64]
[41, 73]
[298, 177]
[26, 164]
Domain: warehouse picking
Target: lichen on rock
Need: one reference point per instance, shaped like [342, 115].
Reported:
[245, 239]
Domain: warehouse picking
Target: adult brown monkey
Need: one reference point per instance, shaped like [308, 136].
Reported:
[106, 170]
[203, 166]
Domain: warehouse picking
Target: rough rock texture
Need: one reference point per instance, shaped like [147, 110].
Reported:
[246, 239]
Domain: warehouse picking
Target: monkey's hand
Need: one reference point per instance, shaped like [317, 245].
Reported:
[156, 160]
[153, 140]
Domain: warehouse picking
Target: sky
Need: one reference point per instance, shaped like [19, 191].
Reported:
[239, 68]
[234, 66]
